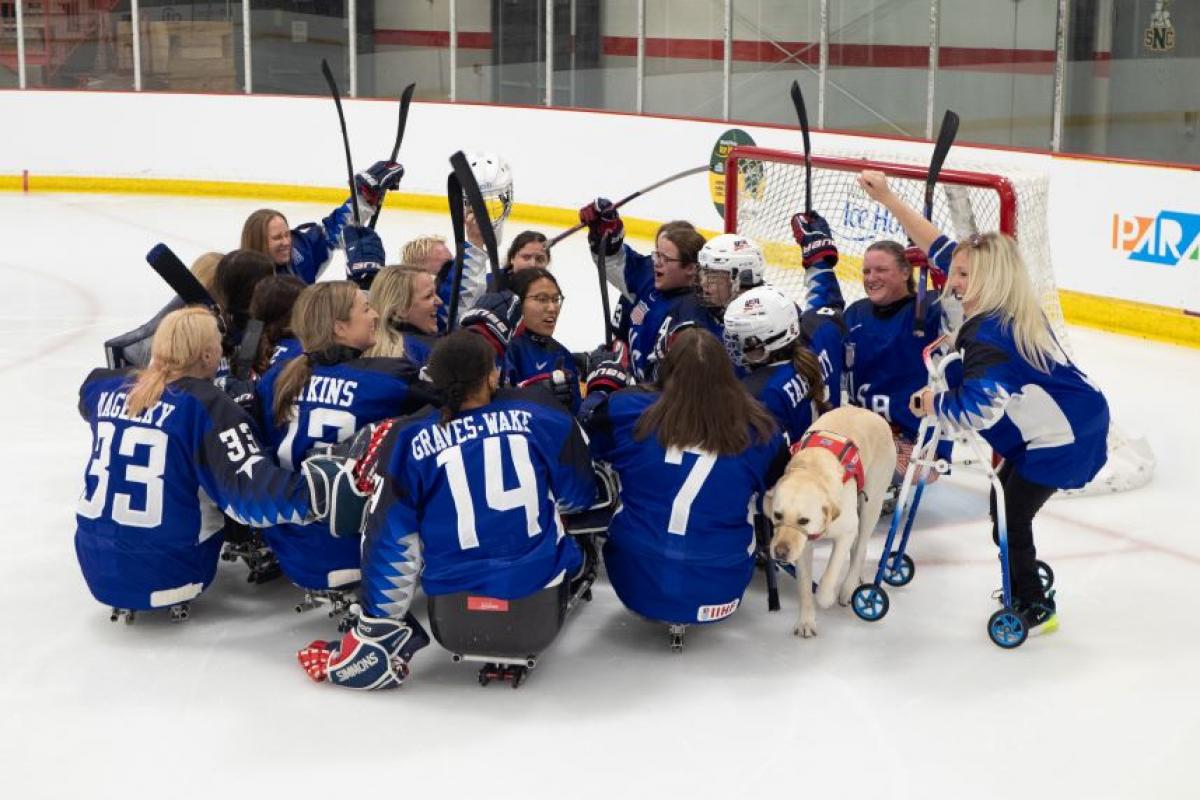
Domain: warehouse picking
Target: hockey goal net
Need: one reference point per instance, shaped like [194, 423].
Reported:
[765, 187]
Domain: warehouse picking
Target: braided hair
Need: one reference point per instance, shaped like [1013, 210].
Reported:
[460, 363]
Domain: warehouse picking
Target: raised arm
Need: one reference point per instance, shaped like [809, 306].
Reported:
[920, 230]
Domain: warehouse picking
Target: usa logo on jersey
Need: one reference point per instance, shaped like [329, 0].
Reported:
[639, 313]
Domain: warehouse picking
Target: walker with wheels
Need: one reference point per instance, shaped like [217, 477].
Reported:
[1006, 627]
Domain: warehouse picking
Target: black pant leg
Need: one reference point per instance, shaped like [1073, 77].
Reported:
[1022, 500]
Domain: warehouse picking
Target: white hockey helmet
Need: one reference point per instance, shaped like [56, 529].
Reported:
[495, 184]
[728, 265]
[759, 323]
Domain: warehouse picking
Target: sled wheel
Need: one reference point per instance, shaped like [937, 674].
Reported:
[870, 602]
[1007, 629]
[1045, 575]
[902, 575]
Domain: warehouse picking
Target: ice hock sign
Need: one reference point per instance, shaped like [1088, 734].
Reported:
[1160, 36]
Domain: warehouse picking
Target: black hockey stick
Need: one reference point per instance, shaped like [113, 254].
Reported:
[802, 116]
[247, 352]
[454, 196]
[628, 198]
[763, 533]
[474, 197]
[178, 277]
[337, 101]
[604, 305]
[945, 139]
[405, 101]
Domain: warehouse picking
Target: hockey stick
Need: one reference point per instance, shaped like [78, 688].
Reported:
[634, 196]
[337, 101]
[405, 101]
[474, 197]
[178, 277]
[247, 352]
[945, 139]
[802, 116]
[604, 304]
[454, 196]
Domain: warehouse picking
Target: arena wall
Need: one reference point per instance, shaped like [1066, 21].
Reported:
[1125, 237]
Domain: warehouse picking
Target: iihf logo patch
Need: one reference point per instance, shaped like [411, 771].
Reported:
[712, 613]
[753, 304]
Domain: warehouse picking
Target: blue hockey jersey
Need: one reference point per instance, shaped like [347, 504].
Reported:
[484, 495]
[285, 350]
[313, 244]
[653, 314]
[149, 521]
[681, 547]
[529, 355]
[338, 400]
[1052, 427]
[883, 362]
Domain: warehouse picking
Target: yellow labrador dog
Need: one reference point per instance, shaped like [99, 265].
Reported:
[833, 489]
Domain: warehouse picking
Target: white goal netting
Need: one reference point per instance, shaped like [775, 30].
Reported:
[765, 187]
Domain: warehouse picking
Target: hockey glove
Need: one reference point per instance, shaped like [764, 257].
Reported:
[811, 232]
[917, 259]
[602, 218]
[374, 654]
[364, 254]
[338, 500]
[611, 374]
[490, 326]
[373, 183]
[618, 352]
[558, 381]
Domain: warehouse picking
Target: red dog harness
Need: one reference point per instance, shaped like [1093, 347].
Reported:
[845, 450]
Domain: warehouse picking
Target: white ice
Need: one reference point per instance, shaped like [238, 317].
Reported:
[920, 704]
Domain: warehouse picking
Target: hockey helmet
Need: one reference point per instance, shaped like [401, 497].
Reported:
[759, 323]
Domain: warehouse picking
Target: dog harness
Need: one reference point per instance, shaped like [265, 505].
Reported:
[845, 450]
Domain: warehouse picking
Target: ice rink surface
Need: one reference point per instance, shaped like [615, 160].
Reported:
[919, 705]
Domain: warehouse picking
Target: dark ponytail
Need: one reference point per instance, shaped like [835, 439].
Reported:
[809, 369]
[460, 363]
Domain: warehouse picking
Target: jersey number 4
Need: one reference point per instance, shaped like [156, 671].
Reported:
[524, 495]
[149, 475]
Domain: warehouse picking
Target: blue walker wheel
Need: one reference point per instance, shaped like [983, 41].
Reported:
[902, 575]
[870, 602]
[1007, 629]
[1045, 575]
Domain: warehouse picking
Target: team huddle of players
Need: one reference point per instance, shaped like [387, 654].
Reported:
[474, 427]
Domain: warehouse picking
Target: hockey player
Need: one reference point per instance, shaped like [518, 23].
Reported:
[324, 396]
[533, 354]
[763, 335]
[272, 304]
[468, 501]
[305, 251]
[727, 265]
[691, 452]
[1018, 389]
[657, 289]
[170, 452]
[408, 306]
[883, 359]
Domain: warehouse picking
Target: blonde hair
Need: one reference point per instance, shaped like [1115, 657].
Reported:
[392, 294]
[181, 339]
[317, 308]
[998, 283]
[254, 231]
[419, 249]
[205, 270]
